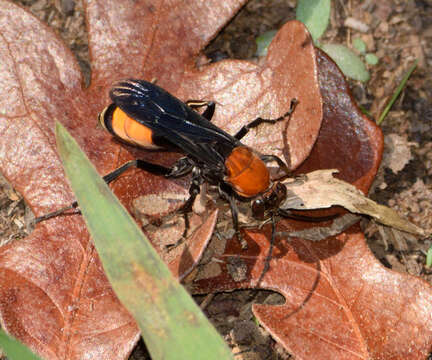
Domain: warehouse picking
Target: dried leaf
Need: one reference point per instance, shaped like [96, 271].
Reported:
[397, 153]
[55, 297]
[341, 303]
[320, 190]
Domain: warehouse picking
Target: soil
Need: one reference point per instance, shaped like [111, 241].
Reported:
[398, 32]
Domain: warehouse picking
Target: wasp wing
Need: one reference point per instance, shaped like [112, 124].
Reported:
[177, 123]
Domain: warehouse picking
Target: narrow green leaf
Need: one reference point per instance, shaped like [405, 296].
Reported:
[14, 349]
[397, 92]
[350, 64]
[172, 325]
[315, 14]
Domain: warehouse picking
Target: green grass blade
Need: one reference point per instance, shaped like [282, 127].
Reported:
[172, 325]
[14, 349]
[397, 92]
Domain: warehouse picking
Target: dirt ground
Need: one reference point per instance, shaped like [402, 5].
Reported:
[398, 33]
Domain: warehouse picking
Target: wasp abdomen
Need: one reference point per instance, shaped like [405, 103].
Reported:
[117, 122]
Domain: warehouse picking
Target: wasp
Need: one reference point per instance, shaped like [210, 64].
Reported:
[145, 115]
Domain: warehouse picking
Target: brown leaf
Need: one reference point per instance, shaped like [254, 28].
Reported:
[54, 295]
[244, 91]
[151, 39]
[348, 140]
[341, 303]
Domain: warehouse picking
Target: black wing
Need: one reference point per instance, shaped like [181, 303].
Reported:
[173, 120]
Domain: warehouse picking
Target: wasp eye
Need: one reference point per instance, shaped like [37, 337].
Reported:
[258, 209]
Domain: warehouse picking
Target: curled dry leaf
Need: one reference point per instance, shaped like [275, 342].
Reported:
[54, 295]
[320, 190]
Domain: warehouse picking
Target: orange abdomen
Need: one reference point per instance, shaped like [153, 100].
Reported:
[131, 130]
[246, 172]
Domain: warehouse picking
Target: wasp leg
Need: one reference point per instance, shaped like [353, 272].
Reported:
[140, 164]
[258, 121]
[155, 169]
[182, 167]
[209, 112]
[58, 212]
[270, 251]
[194, 190]
[280, 162]
[234, 213]
[186, 208]
[287, 214]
